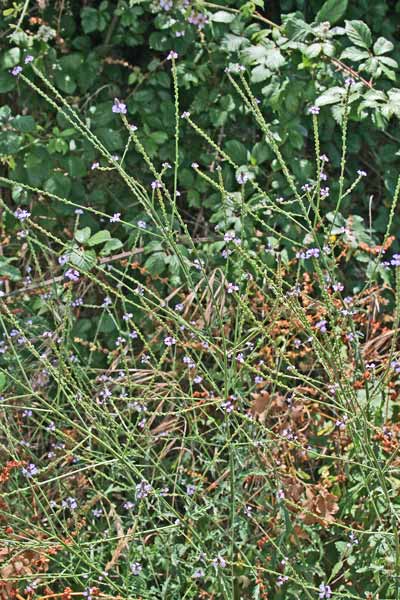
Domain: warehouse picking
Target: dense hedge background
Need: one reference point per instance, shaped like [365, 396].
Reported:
[199, 389]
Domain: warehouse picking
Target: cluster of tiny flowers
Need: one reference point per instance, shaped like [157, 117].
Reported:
[115, 218]
[281, 579]
[136, 568]
[70, 503]
[166, 4]
[30, 470]
[169, 341]
[219, 561]
[309, 253]
[142, 490]
[324, 591]
[395, 364]
[321, 325]
[156, 184]
[172, 55]
[72, 275]
[232, 287]
[314, 110]
[235, 68]
[198, 19]
[361, 173]
[242, 178]
[119, 107]
[21, 214]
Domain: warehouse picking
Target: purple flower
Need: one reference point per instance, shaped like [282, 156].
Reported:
[169, 341]
[281, 495]
[281, 579]
[324, 591]
[156, 184]
[313, 110]
[219, 561]
[232, 287]
[136, 568]
[190, 489]
[198, 573]
[30, 470]
[361, 173]
[395, 260]
[195, 165]
[227, 406]
[395, 364]
[143, 489]
[28, 59]
[95, 165]
[72, 275]
[172, 55]
[142, 224]
[321, 325]
[242, 178]
[179, 307]
[338, 287]
[185, 114]
[16, 71]
[119, 107]
[349, 81]
[115, 218]
[198, 379]
[166, 4]
[70, 503]
[21, 214]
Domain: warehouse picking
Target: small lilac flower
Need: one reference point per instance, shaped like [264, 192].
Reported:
[169, 341]
[232, 287]
[72, 275]
[119, 107]
[314, 110]
[395, 364]
[143, 489]
[78, 211]
[324, 591]
[95, 165]
[156, 184]
[28, 59]
[349, 81]
[185, 114]
[136, 568]
[166, 4]
[133, 127]
[219, 561]
[361, 173]
[324, 192]
[321, 325]
[128, 505]
[242, 178]
[338, 287]
[395, 260]
[127, 316]
[281, 495]
[179, 307]
[142, 224]
[30, 470]
[172, 55]
[115, 218]
[281, 579]
[16, 71]
[106, 302]
[198, 573]
[97, 512]
[341, 423]
[247, 511]
[195, 165]
[198, 379]
[21, 214]
[353, 541]
[70, 503]
[190, 489]
[227, 406]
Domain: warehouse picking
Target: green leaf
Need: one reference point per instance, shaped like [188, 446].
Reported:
[99, 238]
[82, 259]
[10, 58]
[82, 235]
[155, 264]
[221, 16]
[354, 53]
[3, 381]
[7, 82]
[330, 96]
[313, 50]
[332, 11]
[65, 82]
[9, 271]
[237, 151]
[90, 20]
[109, 246]
[359, 33]
[382, 45]
[274, 59]
[24, 124]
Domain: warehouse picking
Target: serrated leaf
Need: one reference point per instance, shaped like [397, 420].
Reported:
[332, 11]
[99, 238]
[221, 16]
[82, 235]
[274, 59]
[155, 264]
[359, 33]
[382, 45]
[330, 96]
[354, 53]
[84, 260]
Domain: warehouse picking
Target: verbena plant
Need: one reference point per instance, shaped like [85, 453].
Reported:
[228, 432]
